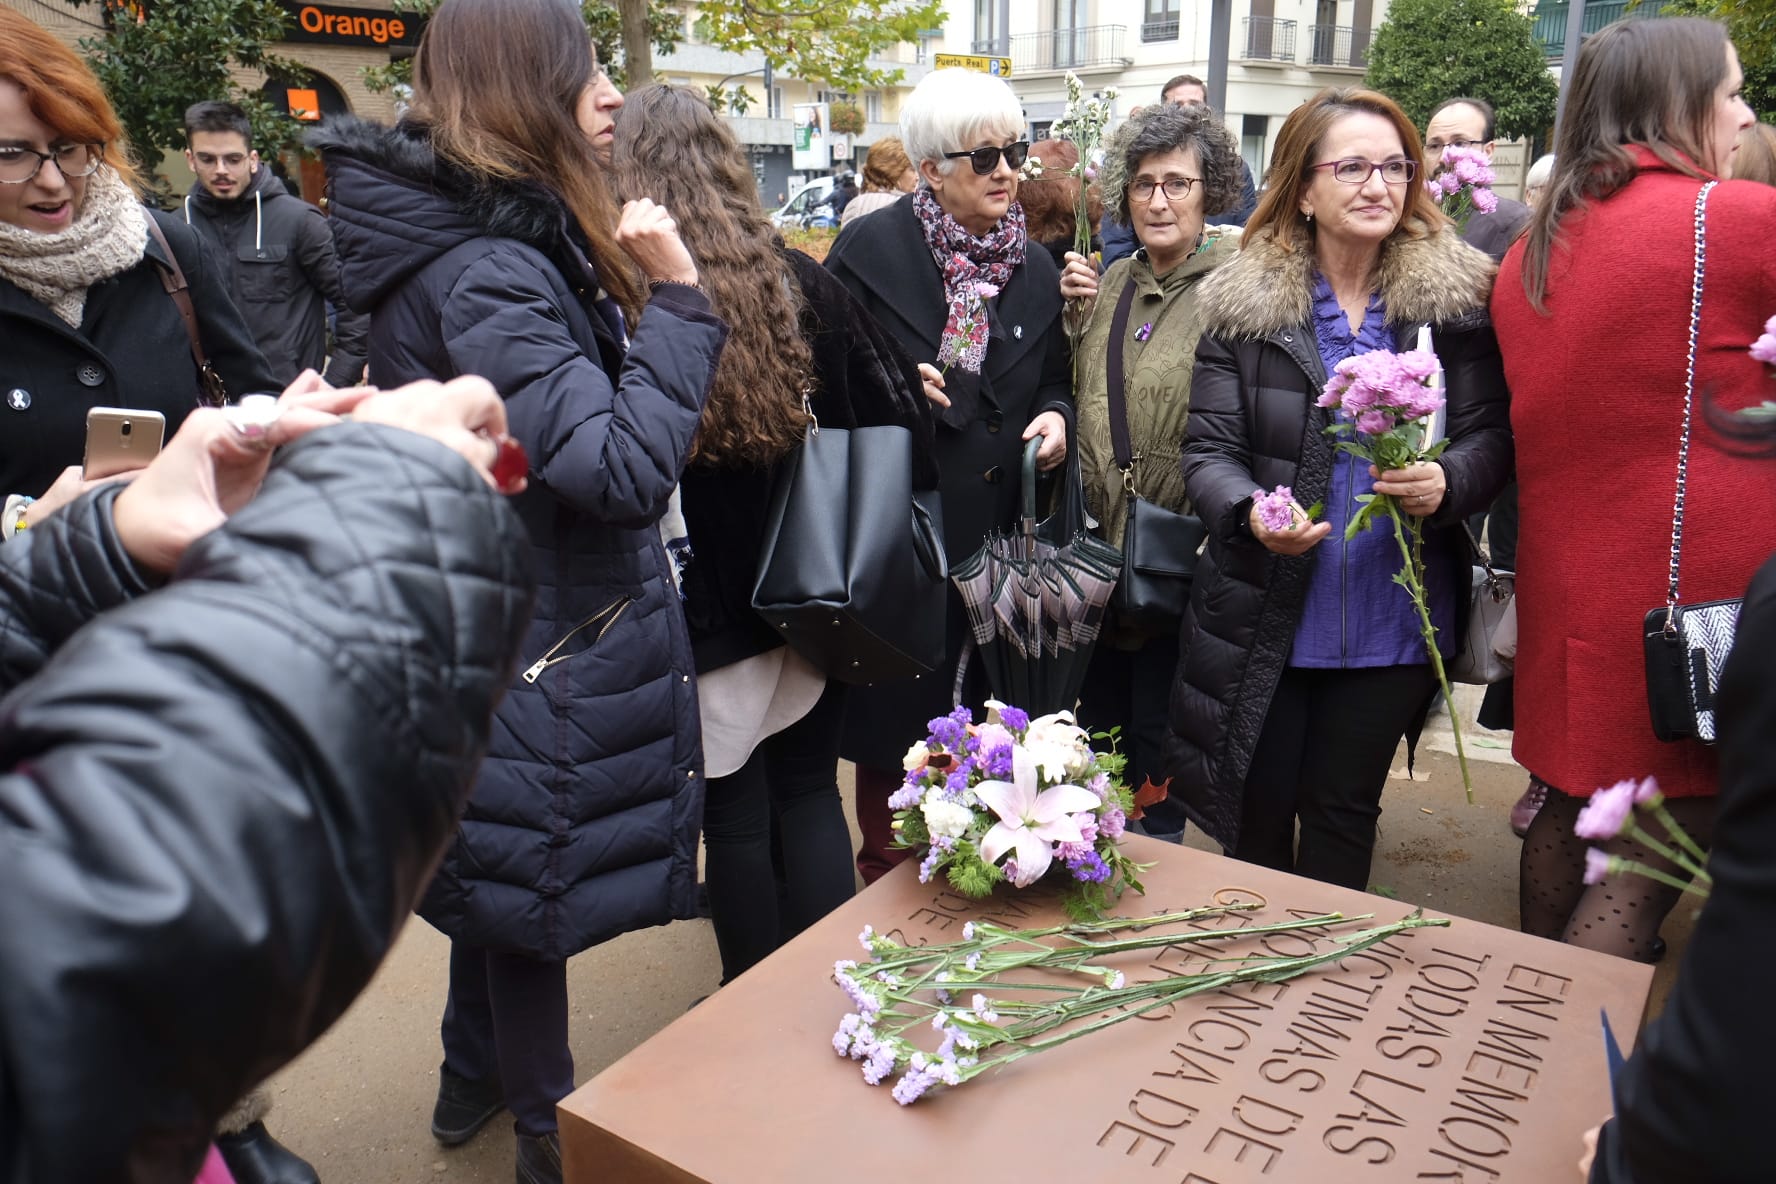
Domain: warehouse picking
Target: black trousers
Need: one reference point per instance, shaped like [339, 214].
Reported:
[791, 779]
[1131, 689]
[1323, 758]
[506, 1017]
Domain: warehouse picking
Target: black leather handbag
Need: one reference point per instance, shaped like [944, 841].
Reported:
[852, 571]
[1159, 546]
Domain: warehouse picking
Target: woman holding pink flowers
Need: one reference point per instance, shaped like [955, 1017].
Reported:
[1304, 662]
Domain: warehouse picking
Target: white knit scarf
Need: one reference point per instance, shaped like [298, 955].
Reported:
[108, 237]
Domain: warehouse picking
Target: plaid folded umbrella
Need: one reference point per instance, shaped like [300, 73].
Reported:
[1036, 598]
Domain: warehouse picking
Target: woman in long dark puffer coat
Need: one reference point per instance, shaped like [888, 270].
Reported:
[477, 234]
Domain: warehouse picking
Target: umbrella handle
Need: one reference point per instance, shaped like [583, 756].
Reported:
[1031, 447]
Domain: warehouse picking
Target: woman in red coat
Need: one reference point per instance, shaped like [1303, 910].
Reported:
[1593, 311]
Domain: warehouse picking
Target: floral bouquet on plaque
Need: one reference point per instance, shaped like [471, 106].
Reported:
[1462, 184]
[1389, 406]
[1019, 799]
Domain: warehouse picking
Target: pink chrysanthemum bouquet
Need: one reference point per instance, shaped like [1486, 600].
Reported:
[1462, 184]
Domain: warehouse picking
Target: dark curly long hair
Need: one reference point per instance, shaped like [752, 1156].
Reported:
[671, 147]
[1155, 131]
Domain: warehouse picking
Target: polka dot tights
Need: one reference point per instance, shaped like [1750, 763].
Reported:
[1622, 915]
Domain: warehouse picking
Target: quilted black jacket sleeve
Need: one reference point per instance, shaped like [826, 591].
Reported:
[220, 800]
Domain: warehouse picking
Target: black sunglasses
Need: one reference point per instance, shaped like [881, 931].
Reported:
[985, 160]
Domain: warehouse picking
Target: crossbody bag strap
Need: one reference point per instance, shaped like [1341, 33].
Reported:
[1119, 425]
[1683, 446]
[172, 278]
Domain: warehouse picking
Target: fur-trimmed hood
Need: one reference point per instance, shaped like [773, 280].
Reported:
[396, 206]
[1438, 279]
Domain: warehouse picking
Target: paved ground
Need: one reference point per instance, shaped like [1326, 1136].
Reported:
[359, 1103]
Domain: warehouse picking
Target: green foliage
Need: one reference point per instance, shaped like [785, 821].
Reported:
[1752, 26]
[603, 21]
[817, 40]
[178, 54]
[971, 875]
[1430, 50]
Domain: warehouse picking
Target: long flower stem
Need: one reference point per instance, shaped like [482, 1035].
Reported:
[1639, 834]
[1638, 868]
[1412, 554]
[1678, 833]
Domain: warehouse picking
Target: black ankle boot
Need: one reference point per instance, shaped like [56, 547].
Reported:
[254, 1157]
[463, 1106]
[539, 1159]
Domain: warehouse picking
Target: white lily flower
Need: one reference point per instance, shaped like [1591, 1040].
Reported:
[1031, 821]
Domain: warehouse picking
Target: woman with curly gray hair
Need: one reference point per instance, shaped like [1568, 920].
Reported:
[1162, 169]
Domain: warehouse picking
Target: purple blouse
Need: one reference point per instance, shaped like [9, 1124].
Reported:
[1355, 615]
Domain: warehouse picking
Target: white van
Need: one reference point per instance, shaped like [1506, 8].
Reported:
[811, 206]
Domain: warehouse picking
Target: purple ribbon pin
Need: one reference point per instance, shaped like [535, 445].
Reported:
[1144, 331]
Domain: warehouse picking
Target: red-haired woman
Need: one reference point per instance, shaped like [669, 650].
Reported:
[1303, 665]
[83, 311]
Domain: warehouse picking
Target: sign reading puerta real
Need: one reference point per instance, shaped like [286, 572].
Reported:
[1468, 1055]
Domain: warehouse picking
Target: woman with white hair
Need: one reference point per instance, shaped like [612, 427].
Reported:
[950, 273]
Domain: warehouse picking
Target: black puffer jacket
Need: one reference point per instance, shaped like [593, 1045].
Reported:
[1253, 423]
[219, 802]
[584, 823]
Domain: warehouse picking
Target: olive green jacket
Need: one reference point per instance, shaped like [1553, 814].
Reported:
[1160, 347]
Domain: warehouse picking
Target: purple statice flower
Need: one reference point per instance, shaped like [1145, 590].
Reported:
[919, 1077]
[1276, 509]
[1015, 719]
[847, 1033]
[941, 846]
[957, 782]
[1485, 200]
[951, 731]
[1090, 870]
[1010, 868]
[968, 931]
[1112, 822]
[907, 796]
[1116, 980]
[998, 764]
[867, 1004]
[972, 962]
[982, 1007]
[880, 1063]
[1764, 348]
[1597, 866]
[1607, 812]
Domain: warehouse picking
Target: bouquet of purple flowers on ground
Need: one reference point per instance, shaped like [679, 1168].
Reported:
[1017, 799]
[1462, 184]
[1387, 406]
[1618, 811]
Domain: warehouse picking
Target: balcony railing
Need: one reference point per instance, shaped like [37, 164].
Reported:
[1068, 49]
[1268, 39]
[1160, 30]
[1332, 45]
[1550, 19]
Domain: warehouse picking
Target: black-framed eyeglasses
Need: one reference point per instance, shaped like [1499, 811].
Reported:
[1354, 170]
[1435, 146]
[1175, 188]
[18, 165]
[985, 160]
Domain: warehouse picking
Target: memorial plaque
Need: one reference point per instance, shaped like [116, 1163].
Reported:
[1468, 1054]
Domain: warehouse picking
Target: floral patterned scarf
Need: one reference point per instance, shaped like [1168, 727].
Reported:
[974, 271]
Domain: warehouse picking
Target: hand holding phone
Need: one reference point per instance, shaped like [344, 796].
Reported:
[121, 440]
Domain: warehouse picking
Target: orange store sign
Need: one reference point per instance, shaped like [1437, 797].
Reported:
[326, 24]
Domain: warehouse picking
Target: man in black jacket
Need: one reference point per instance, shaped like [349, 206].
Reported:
[282, 270]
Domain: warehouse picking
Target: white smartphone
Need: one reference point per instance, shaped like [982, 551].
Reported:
[121, 440]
